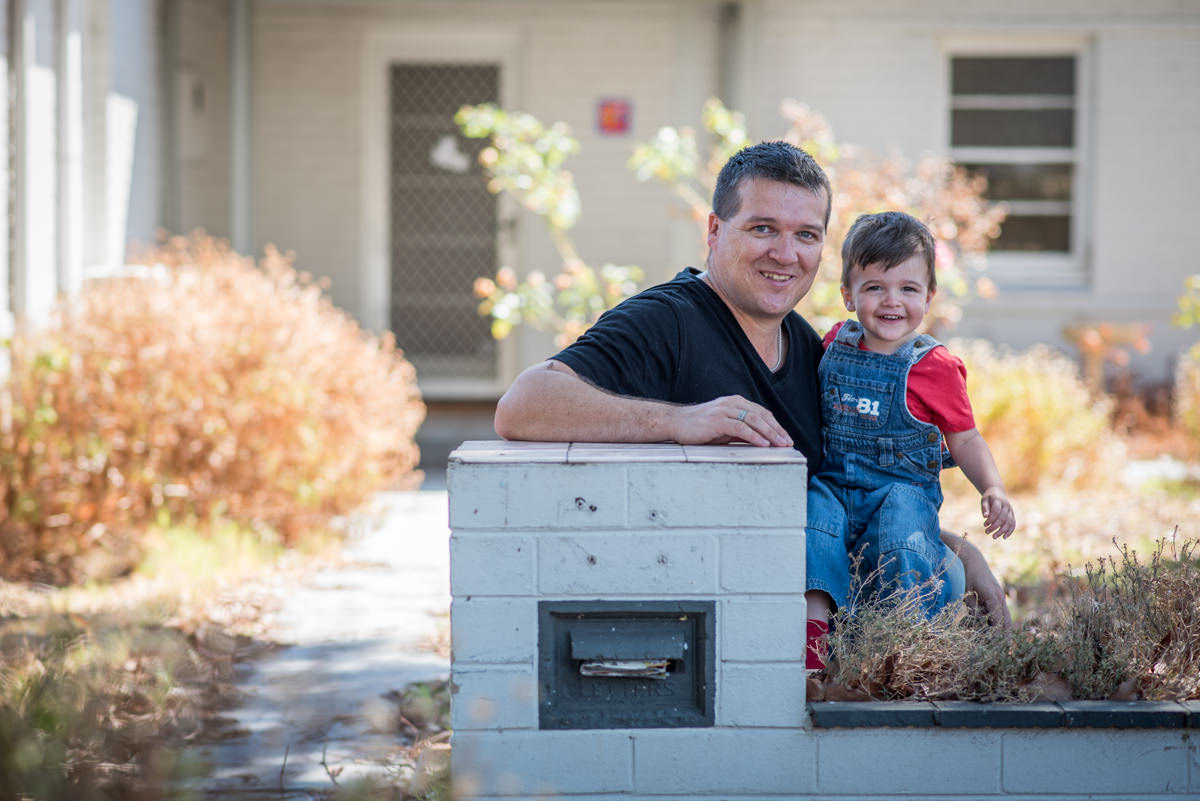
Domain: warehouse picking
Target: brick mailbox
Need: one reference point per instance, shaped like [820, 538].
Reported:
[627, 619]
[628, 623]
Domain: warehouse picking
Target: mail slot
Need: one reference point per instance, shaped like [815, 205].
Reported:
[626, 664]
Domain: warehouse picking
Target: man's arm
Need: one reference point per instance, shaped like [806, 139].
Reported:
[983, 590]
[551, 402]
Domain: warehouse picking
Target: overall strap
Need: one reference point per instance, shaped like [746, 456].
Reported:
[851, 333]
[917, 348]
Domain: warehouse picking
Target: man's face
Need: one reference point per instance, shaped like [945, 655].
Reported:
[763, 260]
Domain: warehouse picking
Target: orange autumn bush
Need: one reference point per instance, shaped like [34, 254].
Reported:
[208, 388]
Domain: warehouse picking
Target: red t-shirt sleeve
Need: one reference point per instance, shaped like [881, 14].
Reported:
[937, 392]
[825, 342]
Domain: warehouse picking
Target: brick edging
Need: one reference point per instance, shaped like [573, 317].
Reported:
[1039, 715]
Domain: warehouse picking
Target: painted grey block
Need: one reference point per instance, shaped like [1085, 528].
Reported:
[915, 762]
[1194, 768]
[766, 631]
[1125, 714]
[478, 496]
[1083, 762]
[627, 563]
[717, 495]
[482, 563]
[493, 698]
[872, 714]
[761, 694]
[1193, 710]
[743, 454]
[763, 562]
[690, 763]
[485, 451]
[971, 715]
[585, 452]
[491, 630]
[541, 764]
[567, 497]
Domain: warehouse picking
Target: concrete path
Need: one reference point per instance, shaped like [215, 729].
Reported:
[352, 634]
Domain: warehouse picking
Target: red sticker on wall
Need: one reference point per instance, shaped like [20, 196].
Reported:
[613, 116]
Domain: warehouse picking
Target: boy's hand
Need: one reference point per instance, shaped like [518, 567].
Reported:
[999, 519]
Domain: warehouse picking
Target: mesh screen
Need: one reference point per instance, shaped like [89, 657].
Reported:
[443, 220]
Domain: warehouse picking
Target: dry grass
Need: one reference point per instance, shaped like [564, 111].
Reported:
[1129, 627]
[102, 686]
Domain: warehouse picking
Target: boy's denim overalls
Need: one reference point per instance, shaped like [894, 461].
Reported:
[878, 489]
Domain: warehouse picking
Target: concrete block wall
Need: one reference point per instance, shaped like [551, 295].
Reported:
[556, 522]
[537, 522]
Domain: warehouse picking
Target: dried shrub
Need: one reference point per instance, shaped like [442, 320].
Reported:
[207, 389]
[1186, 397]
[1039, 418]
[1131, 629]
[885, 648]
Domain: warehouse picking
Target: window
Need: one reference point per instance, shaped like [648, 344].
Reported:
[1014, 119]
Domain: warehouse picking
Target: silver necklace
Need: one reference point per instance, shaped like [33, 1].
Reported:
[778, 348]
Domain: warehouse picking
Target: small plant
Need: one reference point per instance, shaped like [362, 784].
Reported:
[212, 389]
[526, 160]
[1041, 420]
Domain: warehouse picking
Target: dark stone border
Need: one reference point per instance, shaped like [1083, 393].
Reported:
[1040, 715]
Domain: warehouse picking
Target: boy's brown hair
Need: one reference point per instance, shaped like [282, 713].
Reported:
[886, 239]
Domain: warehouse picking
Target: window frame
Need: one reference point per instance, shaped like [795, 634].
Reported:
[1030, 269]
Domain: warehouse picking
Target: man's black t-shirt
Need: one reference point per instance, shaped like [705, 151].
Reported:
[678, 342]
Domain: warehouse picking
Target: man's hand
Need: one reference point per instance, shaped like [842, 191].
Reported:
[984, 593]
[724, 420]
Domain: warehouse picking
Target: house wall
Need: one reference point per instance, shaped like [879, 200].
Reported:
[199, 80]
[878, 72]
[134, 125]
[309, 113]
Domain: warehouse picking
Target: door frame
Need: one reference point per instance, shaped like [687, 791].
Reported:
[423, 44]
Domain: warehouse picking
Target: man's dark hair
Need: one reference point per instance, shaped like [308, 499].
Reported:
[886, 239]
[775, 161]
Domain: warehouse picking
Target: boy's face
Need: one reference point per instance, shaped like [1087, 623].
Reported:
[890, 304]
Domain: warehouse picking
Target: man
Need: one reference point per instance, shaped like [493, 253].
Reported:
[718, 356]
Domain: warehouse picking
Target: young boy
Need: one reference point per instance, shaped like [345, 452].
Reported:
[889, 396]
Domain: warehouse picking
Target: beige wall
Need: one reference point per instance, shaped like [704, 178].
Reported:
[877, 70]
[309, 113]
[201, 117]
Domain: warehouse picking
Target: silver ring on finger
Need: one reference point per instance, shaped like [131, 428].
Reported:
[742, 414]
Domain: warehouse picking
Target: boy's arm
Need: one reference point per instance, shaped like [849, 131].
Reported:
[972, 454]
